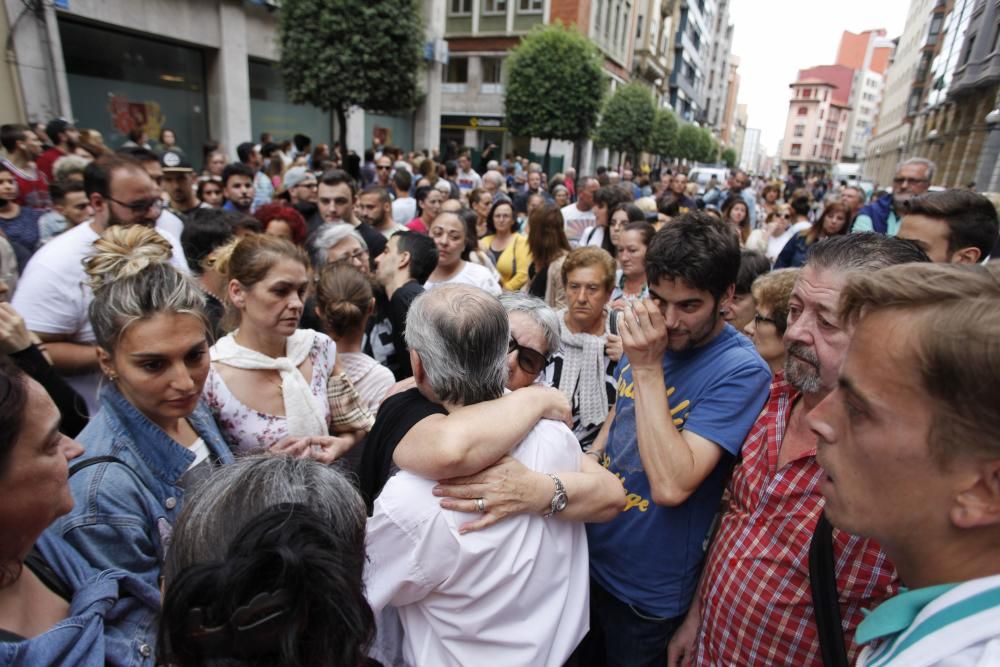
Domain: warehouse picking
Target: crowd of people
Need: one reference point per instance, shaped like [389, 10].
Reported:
[315, 408]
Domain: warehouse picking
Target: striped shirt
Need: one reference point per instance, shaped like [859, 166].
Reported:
[953, 625]
[756, 604]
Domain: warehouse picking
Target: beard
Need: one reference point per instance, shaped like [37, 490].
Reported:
[802, 369]
[696, 336]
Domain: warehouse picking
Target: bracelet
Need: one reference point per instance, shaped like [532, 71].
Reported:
[598, 456]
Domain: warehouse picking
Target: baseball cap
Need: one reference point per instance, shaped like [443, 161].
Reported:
[175, 160]
[294, 176]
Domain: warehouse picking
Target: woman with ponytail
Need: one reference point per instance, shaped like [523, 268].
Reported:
[266, 569]
[152, 439]
[344, 302]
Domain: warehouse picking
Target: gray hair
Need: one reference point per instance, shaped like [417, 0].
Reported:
[460, 334]
[133, 280]
[863, 251]
[67, 165]
[540, 312]
[237, 492]
[331, 235]
[921, 161]
[494, 177]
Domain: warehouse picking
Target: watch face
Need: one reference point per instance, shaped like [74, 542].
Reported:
[561, 502]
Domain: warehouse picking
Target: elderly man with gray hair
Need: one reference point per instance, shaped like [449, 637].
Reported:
[913, 177]
[517, 592]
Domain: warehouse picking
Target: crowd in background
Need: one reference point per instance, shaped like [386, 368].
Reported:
[311, 407]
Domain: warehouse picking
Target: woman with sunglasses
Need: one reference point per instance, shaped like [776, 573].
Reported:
[772, 237]
[831, 222]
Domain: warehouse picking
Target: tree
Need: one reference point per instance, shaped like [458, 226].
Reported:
[336, 54]
[729, 157]
[555, 85]
[688, 145]
[663, 138]
[708, 148]
[627, 120]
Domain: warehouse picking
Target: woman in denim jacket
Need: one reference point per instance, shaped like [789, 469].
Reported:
[55, 609]
[152, 439]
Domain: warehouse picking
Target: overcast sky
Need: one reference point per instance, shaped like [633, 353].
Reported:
[776, 38]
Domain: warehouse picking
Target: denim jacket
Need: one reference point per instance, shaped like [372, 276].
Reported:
[111, 618]
[123, 516]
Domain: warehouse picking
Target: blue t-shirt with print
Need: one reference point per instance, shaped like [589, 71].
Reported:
[650, 556]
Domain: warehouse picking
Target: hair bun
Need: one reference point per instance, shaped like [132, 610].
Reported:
[122, 252]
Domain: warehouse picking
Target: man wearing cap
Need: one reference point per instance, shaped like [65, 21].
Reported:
[303, 193]
[64, 137]
[178, 177]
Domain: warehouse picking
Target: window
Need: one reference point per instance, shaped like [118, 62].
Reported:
[492, 71]
[821, 114]
[803, 111]
[494, 7]
[796, 149]
[530, 6]
[456, 75]
[460, 8]
[800, 130]
[807, 93]
[638, 27]
[840, 137]
[814, 151]
[817, 132]
[598, 16]
[968, 52]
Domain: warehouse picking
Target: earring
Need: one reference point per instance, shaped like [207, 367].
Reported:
[112, 377]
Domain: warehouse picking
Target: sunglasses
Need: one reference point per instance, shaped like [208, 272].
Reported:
[530, 361]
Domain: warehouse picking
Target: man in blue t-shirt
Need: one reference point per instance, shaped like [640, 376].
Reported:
[689, 389]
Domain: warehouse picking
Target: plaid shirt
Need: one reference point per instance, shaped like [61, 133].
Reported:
[756, 604]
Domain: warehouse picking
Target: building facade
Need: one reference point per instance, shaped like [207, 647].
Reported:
[818, 119]
[691, 46]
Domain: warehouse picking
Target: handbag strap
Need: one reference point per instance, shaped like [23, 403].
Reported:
[826, 604]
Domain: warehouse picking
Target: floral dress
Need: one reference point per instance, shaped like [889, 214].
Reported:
[250, 431]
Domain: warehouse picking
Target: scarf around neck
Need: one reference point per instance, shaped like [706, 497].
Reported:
[583, 372]
[303, 411]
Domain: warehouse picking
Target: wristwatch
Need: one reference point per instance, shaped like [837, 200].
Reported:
[559, 498]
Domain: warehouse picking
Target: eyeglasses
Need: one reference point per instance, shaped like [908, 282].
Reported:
[140, 207]
[531, 361]
[356, 256]
[383, 167]
[899, 180]
[758, 318]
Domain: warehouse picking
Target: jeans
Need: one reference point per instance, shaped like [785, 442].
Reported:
[623, 636]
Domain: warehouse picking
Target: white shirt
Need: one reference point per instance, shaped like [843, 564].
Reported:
[404, 209]
[468, 180]
[169, 222]
[53, 295]
[576, 221]
[516, 593]
[592, 236]
[471, 274]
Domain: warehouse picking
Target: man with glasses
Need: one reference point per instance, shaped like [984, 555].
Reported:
[913, 177]
[53, 295]
[383, 172]
[150, 162]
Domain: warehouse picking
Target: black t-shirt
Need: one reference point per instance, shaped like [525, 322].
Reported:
[396, 416]
[399, 306]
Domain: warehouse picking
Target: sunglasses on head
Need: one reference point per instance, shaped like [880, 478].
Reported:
[530, 361]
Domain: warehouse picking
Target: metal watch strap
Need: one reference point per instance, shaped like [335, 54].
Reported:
[559, 499]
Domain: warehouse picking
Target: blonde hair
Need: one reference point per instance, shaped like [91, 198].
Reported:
[132, 279]
[773, 290]
[953, 324]
[248, 260]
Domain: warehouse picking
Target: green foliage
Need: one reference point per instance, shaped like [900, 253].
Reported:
[708, 147]
[688, 146]
[627, 119]
[555, 84]
[663, 138]
[729, 157]
[336, 54]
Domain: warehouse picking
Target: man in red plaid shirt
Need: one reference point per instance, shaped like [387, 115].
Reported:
[755, 604]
